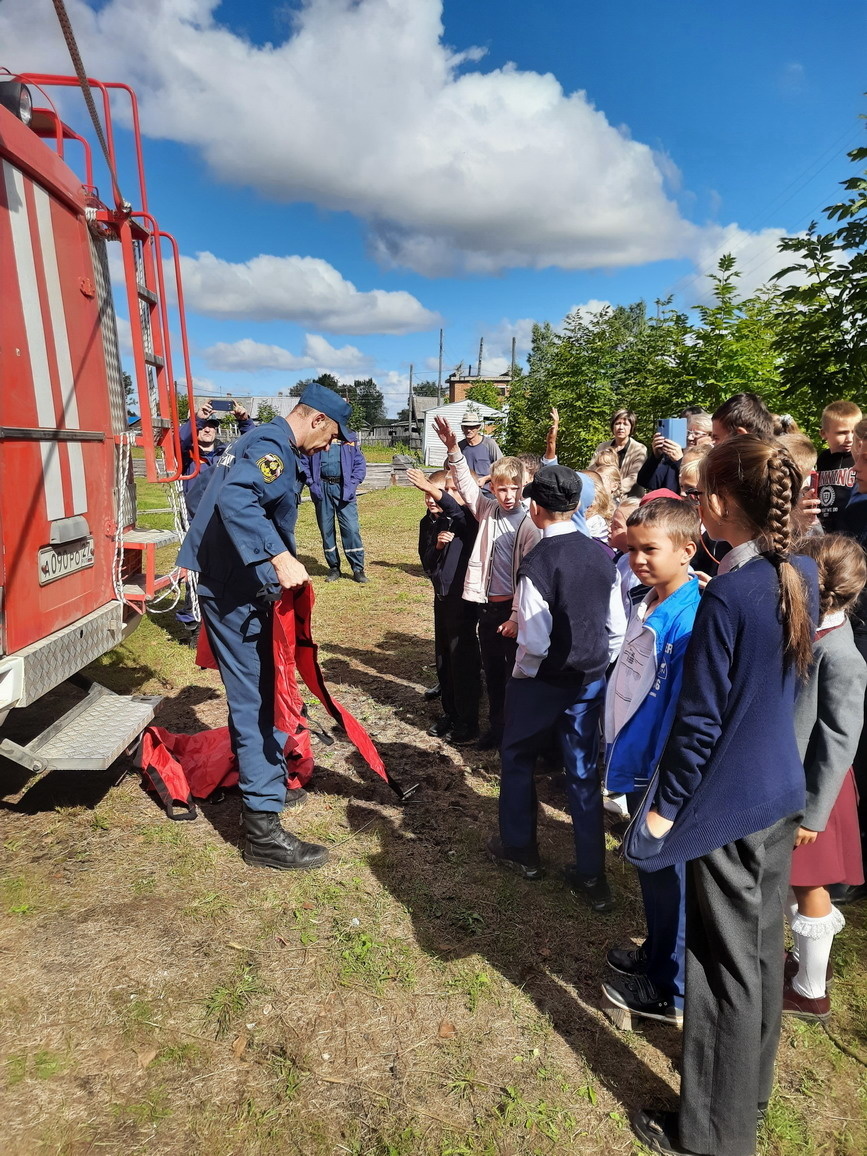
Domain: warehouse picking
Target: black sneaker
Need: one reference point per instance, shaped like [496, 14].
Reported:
[360, 577]
[637, 995]
[441, 727]
[296, 797]
[524, 863]
[333, 574]
[463, 736]
[593, 888]
[628, 961]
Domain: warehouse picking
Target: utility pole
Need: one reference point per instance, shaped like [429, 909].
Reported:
[514, 342]
[481, 348]
[409, 410]
[440, 372]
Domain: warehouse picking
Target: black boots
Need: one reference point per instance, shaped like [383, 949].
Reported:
[268, 844]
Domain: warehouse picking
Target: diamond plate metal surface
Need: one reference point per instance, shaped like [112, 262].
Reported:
[108, 329]
[142, 536]
[52, 660]
[97, 735]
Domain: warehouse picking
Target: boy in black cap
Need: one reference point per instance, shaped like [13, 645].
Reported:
[563, 597]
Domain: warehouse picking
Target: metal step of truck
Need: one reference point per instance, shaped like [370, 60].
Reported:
[89, 737]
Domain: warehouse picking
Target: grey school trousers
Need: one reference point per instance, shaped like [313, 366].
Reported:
[734, 988]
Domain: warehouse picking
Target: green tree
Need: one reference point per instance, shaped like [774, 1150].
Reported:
[822, 320]
[265, 411]
[368, 404]
[326, 379]
[617, 357]
[486, 393]
[425, 389]
[733, 348]
[130, 393]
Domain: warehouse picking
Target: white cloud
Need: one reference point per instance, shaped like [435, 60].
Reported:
[305, 290]
[451, 167]
[590, 309]
[247, 356]
[124, 336]
[757, 259]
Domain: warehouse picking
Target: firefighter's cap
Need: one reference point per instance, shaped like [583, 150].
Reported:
[325, 400]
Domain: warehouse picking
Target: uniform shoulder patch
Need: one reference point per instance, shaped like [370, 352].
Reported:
[271, 467]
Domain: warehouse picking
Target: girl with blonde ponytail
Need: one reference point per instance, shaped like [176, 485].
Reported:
[728, 798]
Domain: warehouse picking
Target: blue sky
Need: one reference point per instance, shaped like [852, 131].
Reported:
[345, 176]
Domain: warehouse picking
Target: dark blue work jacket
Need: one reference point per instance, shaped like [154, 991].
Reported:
[353, 470]
[247, 514]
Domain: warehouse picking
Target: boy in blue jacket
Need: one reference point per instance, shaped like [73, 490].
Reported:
[639, 711]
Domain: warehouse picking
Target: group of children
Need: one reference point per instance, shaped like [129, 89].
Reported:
[707, 634]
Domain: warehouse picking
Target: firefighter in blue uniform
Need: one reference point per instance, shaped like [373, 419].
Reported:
[242, 543]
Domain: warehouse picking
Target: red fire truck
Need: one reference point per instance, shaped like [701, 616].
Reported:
[76, 571]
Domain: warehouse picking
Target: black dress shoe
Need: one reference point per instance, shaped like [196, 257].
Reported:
[434, 692]
[463, 736]
[843, 893]
[490, 741]
[441, 727]
[524, 862]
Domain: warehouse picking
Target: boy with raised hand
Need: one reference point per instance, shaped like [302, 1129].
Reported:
[506, 534]
[563, 597]
[661, 537]
[446, 536]
[836, 464]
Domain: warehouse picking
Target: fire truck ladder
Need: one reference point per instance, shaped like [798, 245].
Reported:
[141, 241]
[137, 580]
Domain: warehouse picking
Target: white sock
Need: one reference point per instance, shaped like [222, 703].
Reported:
[813, 939]
[792, 913]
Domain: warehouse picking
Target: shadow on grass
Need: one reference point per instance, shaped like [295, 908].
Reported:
[392, 669]
[536, 935]
[412, 568]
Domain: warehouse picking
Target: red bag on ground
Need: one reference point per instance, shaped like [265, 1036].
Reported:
[180, 768]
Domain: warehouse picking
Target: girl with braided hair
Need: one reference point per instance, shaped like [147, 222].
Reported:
[828, 719]
[728, 797]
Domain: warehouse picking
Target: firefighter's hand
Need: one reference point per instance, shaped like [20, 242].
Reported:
[204, 411]
[239, 411]
[508, 629]
[290, 572]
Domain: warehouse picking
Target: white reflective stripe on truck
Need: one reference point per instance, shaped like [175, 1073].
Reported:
[22, 245]
[61, 348]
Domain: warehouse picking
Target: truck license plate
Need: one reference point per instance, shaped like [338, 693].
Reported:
[58, 561]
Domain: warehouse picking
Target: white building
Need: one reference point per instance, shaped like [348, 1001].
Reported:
[433, 449]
